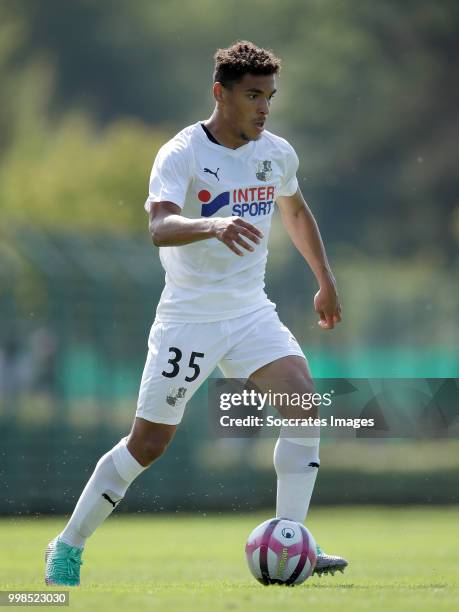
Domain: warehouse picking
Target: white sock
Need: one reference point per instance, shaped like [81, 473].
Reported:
[296, 466]
[108, 484]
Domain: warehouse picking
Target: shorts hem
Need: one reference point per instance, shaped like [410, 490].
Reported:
[161, 420]
[273, 357]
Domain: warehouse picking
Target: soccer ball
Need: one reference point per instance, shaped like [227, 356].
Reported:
[280, 551]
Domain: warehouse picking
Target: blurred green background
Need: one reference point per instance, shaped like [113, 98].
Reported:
[368, 96]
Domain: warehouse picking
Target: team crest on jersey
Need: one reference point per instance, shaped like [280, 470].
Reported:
[175, 396]
[264, 170]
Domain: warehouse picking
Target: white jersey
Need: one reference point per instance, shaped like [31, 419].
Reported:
[205, 280]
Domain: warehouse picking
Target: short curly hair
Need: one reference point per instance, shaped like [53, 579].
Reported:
[243, 57]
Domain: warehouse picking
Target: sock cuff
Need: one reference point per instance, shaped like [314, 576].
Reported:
[307, 442]
[126, 465]
[300, 435]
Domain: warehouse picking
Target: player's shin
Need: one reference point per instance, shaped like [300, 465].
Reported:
[296, 462]
[114, 472]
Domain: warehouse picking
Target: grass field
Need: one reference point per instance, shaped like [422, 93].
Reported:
[400, 559]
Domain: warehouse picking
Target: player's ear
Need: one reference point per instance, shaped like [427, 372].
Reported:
[218, 91]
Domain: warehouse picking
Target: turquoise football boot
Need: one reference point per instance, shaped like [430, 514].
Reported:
[328, 564]
[62, 563]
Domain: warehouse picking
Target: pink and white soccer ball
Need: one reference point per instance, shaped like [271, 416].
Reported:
[280, 551]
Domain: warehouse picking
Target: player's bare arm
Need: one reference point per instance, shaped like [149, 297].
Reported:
[169, 228]
[304, 232]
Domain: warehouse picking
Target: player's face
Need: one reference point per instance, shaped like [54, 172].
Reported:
[246, 105]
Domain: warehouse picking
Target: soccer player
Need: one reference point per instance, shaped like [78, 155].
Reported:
[213, 189]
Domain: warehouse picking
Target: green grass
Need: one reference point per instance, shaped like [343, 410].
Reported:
[400, 559]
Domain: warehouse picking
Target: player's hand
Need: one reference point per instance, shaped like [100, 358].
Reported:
[232, 231]
[327, 304]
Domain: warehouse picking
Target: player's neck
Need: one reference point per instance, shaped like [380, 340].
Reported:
[223, 133]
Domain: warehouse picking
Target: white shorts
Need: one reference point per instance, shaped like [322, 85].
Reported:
[182, 355]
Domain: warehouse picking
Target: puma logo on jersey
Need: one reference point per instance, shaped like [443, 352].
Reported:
[212, 172]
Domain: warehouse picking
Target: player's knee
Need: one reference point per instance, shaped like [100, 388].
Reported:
[147, 449]
[302, 400]
[153, 448]
[148, 441]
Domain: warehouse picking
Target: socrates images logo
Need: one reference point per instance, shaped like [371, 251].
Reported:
[245, 202]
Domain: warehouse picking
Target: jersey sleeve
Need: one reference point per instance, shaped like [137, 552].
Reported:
[170, 175]
[290, 182]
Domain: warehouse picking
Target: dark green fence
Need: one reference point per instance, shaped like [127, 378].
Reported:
[44, 469]
[75, 314]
